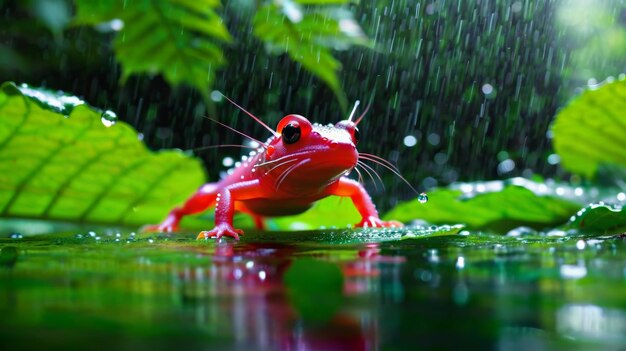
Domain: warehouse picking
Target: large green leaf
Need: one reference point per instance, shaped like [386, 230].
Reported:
[497, 205]
[175, 38]
[591, 130]
[308, 37]
[61, 159]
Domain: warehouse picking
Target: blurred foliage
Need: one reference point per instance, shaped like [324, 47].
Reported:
[308, 38]
[497, 206]
[64, 160]
[331, 212]
[595, 33]
[175, 38]
[590, 132]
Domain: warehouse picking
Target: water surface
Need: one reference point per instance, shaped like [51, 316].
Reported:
[124, 291]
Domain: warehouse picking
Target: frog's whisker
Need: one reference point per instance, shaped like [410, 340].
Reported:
[286, 173]
[371, 177]
[360, 175]
[392, 170]
[281, 164]
[236, 131]
[253, 116]
[369, 169]
[280, 159]
[370, 156]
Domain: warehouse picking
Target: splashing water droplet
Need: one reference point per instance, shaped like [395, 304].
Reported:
[422, 198]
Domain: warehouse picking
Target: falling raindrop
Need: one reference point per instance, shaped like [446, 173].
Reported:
[410, 141]
[228, 161]
[554, 159]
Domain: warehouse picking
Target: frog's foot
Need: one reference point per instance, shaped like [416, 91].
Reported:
[375, 222]
[219, 231]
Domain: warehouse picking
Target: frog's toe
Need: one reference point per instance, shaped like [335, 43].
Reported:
[375, 222]
[392, 224]
[220, 231]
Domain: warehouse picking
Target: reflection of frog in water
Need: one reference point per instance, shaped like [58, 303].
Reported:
[243, 291]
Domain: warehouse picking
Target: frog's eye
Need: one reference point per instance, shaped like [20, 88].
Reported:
[356, 135]
[291, 133]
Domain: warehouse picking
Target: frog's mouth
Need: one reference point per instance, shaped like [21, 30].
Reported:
[315, 167]
[331, 164]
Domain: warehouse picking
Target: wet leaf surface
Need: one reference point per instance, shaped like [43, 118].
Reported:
[64, 160]
[600, 218]
[494, 205]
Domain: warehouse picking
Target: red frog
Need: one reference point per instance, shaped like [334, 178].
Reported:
[299, 165]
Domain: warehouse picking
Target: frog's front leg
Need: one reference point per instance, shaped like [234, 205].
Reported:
[200, 201]
[225, 208]
[362, 202]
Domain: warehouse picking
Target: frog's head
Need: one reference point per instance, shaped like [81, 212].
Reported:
[317, 153]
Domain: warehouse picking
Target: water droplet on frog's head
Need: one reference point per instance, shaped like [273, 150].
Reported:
[422, 198]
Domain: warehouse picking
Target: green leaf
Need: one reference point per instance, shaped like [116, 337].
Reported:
[93, 12]
[308, 37]
[591, 130]
[64, 160]
[175, 38]
[315, 289]
[495, 205]
[600, 219]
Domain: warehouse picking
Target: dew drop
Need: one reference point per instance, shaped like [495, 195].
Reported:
[422, 198]
[16, 236]
[108, 118]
